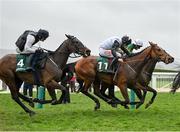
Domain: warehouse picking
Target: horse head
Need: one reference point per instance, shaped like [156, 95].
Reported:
[160, 54]
[76, 46]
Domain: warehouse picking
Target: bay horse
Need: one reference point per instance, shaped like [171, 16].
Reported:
[50, 75]
[127, 73]
[176, 83]
[143, 81]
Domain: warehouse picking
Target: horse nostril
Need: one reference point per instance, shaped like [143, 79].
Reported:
[171, 59]
[88, 52]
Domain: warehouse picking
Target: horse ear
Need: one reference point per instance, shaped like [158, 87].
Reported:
[151, 43]
[68, 36]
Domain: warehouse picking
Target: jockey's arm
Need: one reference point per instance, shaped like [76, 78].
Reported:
[126, 51]
[114, 48]
[28, 45]
[130, 47]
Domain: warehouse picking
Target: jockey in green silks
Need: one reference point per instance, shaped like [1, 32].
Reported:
[136, 44]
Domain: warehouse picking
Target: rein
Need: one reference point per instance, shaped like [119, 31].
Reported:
[53, 62]
[144, 60]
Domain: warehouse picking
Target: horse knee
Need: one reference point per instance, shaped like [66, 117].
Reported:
[126, 102]
[155, 93]
[14, 97]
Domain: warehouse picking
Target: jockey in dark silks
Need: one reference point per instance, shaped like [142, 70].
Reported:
[25, 45]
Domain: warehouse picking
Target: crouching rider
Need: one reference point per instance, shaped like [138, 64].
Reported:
[114, 47]
[25, 45]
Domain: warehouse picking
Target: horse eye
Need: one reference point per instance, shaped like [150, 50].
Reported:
[75, 42]
[159, 49]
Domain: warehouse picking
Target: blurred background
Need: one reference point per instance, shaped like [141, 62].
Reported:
[93, 21]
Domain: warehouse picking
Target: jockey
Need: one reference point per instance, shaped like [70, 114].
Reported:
[110, 47]
[136, 44]
[26, 42]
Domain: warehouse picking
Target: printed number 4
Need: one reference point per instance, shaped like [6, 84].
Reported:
[20, 63]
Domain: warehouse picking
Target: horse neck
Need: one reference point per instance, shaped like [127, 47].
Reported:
[61, 55]
[149, 67]
[138, 61]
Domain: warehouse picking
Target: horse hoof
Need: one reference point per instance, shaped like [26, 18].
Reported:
[126, 107]
[173, 91]
[54, 102]
[114, 105]
[32, 113]
[96, 107]
[31, 104]
[138, 105]
[147, 105]
[36, 100]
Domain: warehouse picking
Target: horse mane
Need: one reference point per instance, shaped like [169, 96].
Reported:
[134, 54]
[62, 44]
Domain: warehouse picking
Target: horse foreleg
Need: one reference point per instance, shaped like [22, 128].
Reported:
[84, 90]
[137, 89]
[96, 86]
[52, 94]
[123, 89]
[55, 85]
[111, 94]
[153, 97]
[29, 100]
[125, 95]
[140, 96]
[80, 85]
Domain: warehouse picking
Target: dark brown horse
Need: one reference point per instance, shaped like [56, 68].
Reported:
[50, 75]
[127, 74]
[143, 79]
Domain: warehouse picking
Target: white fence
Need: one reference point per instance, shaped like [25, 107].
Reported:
[161, 81]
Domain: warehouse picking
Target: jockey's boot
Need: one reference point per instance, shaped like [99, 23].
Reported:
[113, 66]
[29, 63]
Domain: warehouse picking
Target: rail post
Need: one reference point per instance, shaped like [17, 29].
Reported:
[40, 95]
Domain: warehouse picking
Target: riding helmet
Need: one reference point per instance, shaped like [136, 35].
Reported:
[126, 39]
[43, 34]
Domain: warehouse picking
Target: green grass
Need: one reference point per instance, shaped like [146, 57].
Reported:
[163, 115]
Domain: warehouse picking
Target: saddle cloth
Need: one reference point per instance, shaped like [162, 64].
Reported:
[103, 64]
[22, 61]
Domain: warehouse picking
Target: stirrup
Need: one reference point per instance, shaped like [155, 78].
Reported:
[109, 71]
[29, 69]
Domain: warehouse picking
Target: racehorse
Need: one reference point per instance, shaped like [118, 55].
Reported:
[50, 75]
[127, 73]
[143, 79]
[176, 83]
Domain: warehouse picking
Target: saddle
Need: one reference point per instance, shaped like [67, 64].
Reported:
[23, 60]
